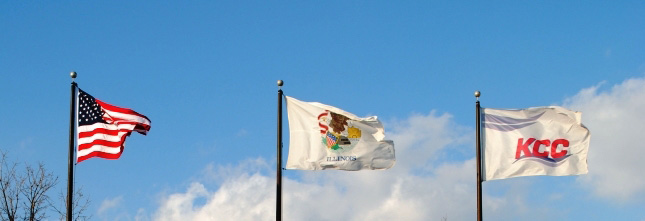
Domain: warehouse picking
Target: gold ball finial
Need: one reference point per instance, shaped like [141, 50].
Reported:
[72, 74]
[477, 94]
[280, 83]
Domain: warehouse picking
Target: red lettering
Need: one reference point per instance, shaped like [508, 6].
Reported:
[554, 148]
[536, 148]
[524, 150]
[523, 147]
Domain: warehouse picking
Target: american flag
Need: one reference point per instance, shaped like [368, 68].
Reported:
[102, 128]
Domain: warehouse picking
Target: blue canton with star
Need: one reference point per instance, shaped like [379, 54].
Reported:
[89, 112]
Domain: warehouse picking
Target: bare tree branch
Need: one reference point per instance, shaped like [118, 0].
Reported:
[25, 196]
[80, 205]
[10, 184]
[38, 182]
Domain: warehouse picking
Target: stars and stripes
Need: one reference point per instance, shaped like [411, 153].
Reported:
[102, 128]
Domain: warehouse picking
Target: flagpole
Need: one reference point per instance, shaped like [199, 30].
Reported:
[478, 156]
[72, 133]
[278, 210]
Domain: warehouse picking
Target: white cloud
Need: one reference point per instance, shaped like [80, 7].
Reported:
[108, 204]
[244, 194]
[180, 205]
[441, 189]
[428, 182]
[142, 215]
[419, 138]
[616, 120]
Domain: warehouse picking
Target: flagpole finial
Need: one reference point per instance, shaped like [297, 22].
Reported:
[280, 83]
[73, 75]
[477, 94]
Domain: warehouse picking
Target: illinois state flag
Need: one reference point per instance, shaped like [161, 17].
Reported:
[325, 137]
[535, 141]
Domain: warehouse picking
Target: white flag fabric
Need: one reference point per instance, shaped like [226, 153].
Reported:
[325, 137]
[535, 141]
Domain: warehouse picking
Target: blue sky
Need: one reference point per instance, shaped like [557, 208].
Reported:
[204, 72]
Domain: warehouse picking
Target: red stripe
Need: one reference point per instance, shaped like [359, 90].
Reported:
[84, 146]
[101, 131]
[101, 155]
[120, 109]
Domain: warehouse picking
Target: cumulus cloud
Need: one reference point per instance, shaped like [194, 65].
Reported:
[433, 177]
[616, 119]
[422, 186]
[111, 209]
[108, 204]
[243, 194]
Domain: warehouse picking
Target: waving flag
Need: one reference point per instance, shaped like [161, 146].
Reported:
[102, 128]
[535, 141]
[325, 137]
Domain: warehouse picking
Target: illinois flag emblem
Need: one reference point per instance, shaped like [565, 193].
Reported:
[325, 137]
[535, 141]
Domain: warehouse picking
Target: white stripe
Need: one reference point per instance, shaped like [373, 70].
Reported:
[101, 136]
[129, 117]
[99, 148]
[88, 128]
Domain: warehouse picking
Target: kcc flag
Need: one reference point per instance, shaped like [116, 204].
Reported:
[535, 141]
[325, 137]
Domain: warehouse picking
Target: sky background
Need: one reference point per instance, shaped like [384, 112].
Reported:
[205, 73]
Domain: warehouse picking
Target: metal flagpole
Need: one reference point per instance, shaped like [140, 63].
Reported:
[478, 156]
[72, 134]
[278, 209]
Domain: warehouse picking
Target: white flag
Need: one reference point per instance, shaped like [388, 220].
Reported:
[325, 137]
[535, 141]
